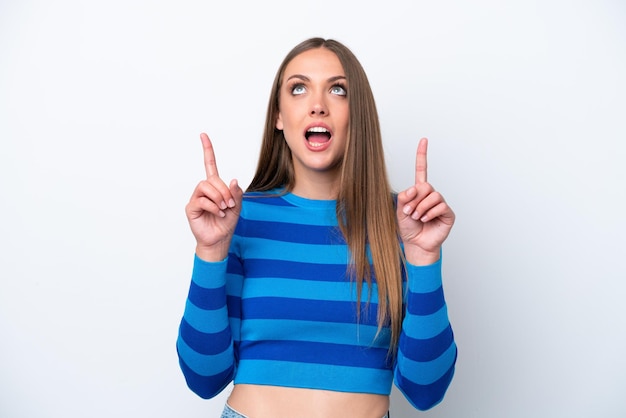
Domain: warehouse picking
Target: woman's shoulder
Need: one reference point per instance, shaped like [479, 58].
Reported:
[266, 197]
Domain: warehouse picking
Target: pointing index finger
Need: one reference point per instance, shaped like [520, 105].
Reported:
[420, 162]
[210, 166]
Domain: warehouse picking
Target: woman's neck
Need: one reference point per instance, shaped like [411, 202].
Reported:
[317, 187]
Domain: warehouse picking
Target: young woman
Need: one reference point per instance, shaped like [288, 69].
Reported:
[318, 287]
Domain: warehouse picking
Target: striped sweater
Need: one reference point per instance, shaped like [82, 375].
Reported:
[281, 310]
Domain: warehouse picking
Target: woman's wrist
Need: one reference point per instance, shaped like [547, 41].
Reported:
[213, 253]
[420, 257]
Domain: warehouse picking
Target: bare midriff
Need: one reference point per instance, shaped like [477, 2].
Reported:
[258, 401]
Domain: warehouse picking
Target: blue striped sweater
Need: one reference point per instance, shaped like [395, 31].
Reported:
[280, 310]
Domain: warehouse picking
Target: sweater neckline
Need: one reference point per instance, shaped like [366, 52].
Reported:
[309, 203]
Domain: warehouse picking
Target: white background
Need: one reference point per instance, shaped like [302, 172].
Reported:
[101, 105]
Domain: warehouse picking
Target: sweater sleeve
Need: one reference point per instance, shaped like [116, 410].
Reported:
[427, 351]
[205, 340]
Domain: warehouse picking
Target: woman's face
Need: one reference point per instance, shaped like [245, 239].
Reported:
[313, 113]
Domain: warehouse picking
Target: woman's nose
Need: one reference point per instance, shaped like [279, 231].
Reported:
[318, 106]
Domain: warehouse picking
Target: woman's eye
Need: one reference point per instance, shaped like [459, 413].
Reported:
[298, 89]
[338, 90]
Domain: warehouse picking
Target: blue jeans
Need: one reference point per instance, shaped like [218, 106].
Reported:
[231, 413]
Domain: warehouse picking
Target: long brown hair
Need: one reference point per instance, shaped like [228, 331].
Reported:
[365, 206]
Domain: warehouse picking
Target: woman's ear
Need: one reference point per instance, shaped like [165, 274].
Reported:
[279, 122]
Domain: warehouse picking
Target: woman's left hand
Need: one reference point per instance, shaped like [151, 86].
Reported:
[424, 217]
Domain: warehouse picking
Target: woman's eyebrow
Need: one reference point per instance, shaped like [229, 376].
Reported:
[305, 78]
[337, 77]
[300, 76]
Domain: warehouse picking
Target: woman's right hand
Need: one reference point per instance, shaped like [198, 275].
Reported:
[213, 210]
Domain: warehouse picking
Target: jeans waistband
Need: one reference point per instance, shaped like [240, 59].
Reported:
[231, 413]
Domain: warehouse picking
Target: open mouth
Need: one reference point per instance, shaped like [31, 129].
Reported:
[317, 135]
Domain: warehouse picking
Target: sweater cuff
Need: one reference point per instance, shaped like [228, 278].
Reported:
[209, 274]
[424, 279]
